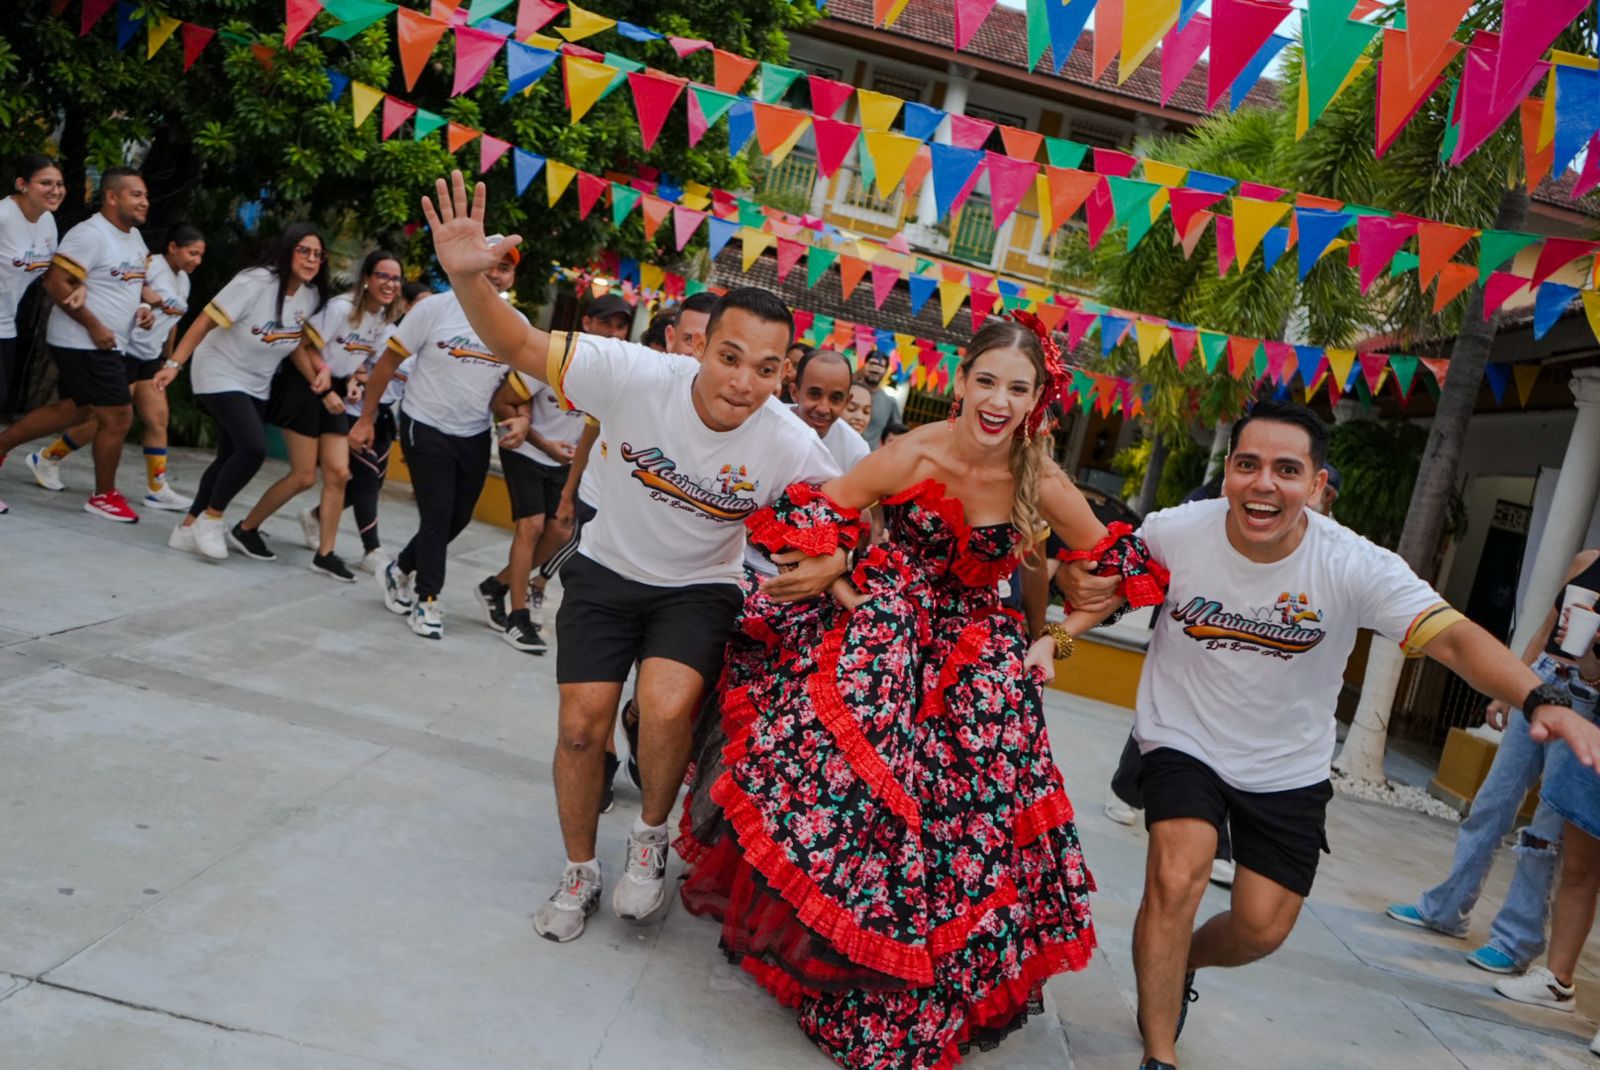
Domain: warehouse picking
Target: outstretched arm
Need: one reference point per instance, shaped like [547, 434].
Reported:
[465, 254]
[1067, 511]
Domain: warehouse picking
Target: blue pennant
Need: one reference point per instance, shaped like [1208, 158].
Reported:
[1274, 243]
[1548, 306]
[1318, 228]
[526, 166]
[636, 33]
[338, 84]
[1066, 24]
[921, 120]
[1499, 375]
[525, 65]
[721, 232]
[922, 287]
[1112, 328]
[741, 125]
[1210, 183]
[1577, 112]
[952, 168]
[128, 23]
[1309, 358]
[1253, 70]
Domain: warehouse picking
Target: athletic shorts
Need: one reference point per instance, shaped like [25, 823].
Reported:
[1278, 834]
[535, 488]
[140, 371]
[607, 622]
[92, 376]
[293, 407]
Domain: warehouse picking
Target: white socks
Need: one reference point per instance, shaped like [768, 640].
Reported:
[648, 832]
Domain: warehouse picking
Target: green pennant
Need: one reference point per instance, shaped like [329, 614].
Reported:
[1038, 30]
[713, 104]
[1260, 364]
[354, 16]
[1213, 347]
[1364, 209]
[1333, 43]
[923, 265]
[1404, 262]
[821, 328]
[692, 287]
[818, 261]
[1129, 195]
[1452, 132]
[1495, 247]
[623, 65]
[1011, 303]
[1064, 153]
[623, 198]
[750, 214]
[482, 9]
[1405, 370]
[425, 123]
[775, 82]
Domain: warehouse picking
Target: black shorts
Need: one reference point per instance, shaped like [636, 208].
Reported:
[535, 488]
[293, 407]
[140, 371]
[1278, 834]
[607, 622]
[92, 376]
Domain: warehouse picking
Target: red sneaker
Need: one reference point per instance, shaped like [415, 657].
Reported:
[111, 506]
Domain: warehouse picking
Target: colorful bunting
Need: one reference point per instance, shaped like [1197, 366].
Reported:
[653, 98]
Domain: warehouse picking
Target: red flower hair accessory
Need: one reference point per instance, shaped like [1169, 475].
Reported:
[1055, 371]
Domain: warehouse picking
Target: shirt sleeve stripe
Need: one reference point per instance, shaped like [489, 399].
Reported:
[1427, 625]
[519, 387]
[70, 266]
[563, 344]
[312, 334]
[397, 346]
[219, 317]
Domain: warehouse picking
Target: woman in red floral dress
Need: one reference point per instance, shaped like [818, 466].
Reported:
[883, 832]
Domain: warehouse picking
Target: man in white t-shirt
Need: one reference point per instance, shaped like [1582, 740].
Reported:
[686, 452]
[105, 257]
[1235, 708]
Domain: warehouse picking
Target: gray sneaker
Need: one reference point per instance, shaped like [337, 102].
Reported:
[563, 915]
[643, 887]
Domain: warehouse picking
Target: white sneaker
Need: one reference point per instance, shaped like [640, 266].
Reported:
[1222, 872]
[311, 529]
[563, 915]
[426, 620]
[643, 887]
[1121, 812]
[46, 473]
[396, 588]
[373, 560]
[167, 498]
[210, 537]
[1540, 988]
[182, 538]
[1594, 1045]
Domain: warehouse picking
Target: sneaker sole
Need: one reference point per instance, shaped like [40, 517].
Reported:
[640, 919]
[588, 912]
[32, 467]
[234, 542]
[319, 570]
[486, 605]
[516, 644]
[1565, 1007]
[1418, 923]
[114, 518]
[1486, 968]
[171, 507]
[426, 634]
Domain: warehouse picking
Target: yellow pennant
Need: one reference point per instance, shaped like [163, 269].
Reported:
[161, 29]
[557, 177]
[697, 202]
[1151, 336]
[892, 153]
[1525, 375]
[1340, 361]
[363, 98]
[651, 276]
[951, 294]
[586, 81]
[755, 243]
[1164, 174]
[877, 109]
[1159, 202]
[1591, 309]
[584, 24]
[1143, 23]
[907, 346]
[788, 144]
[895, 11]
[1251, 221]
[539, 40]
[1041, 197]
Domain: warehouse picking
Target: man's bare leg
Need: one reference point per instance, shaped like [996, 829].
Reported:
[1177, 867]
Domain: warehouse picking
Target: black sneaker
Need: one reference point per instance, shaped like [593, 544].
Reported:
[630, 728]
[333, 567]
[492, 597]
[608, 797]
[250, 543]
[521, 633]
[1153, 1063]
[1189, 996]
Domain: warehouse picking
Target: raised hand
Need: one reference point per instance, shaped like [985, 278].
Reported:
[459, 240]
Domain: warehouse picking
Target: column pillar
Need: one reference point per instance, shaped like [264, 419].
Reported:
[1219, 449]
[1571, 508]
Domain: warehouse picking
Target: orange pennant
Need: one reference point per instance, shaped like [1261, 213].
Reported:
[1453, 278]
[851, 270]
[1436, 244]
[457, 135]
[1021, 144]
[776, 124]
[1069, 188]
[1536, 162]
[655, 211]
[1241, 354]
[416, 35]
[732, 71]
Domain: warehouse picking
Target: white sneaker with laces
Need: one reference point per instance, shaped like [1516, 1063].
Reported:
[310, 529]
[182, 538]
[373, 561]
[426, 620]
[210, 536]
[167, 498]
[396, 588]
[643, 887]
[1540, 988]
[1121, 812]
[46, 472]
[563, 915]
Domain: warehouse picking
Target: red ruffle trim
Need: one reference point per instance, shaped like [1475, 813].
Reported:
[967, 651]
[1145, 589]
[973, 571]
[1011, 998]
[1050, 812]
[783, 988]
[816, 539]
[952, 936]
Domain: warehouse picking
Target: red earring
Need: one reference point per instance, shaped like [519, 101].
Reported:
[955, 410]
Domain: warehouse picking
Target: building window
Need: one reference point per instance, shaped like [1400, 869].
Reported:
[1097, 135]
[904, 86]
[789, 185]
[799, 94]
[859, 194]
[973, 231]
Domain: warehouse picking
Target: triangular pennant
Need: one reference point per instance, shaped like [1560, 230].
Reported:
[1404, 84]
[892, 154]
[456, 135]
[1499, 377]
[583, 23]
[586, 83]
[1498, 246]
[1430, 25]
[475, 53]
[741, 125]
[364, 98]
[1107, 36]
[525, 166]
[1374, 366]
[655, 212]
[1009, 182]
[883, 283]
[922, 120]
[1525, 375]
[1186, 202]
[93, 12]
[1180, 51]
[298, 17]
[922, 287]
[1241, 354]
[426, 123]
[395, 113]
[775, 82]
[161, 30]
[1308, 362]
[877, 110]
[951, 296]
[731, 71]
[685, 221]
[1453, 279]
[1021, 144]
[789, 254]
[1226, 245]
[818, 260]
[753, 243]
[955, 172]
[1143, 25]
[653, 98]
[1190, 239]
[969, 16]
[776, 125]
[195, 39]
[1151, 338]
[1251, 219]
[590, 189]
[827, 95]
[416, 35]
[1248, 24]
[1550, 303]
[535, 15]
[1577, 113]
[1340, 362]
[490, 149]
[557, 177]
[1557, 253]
[981, 303]
[623, 198]
[1437, 367]
[834, 142]
[1405, 372]
[1379, 239]
[1436, 244]
[1498, 289]
[852, 270]
[525, 65]
[1333, 44]
[1273, 245]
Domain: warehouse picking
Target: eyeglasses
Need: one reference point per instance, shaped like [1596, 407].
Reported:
[310, 252]
[384, 276]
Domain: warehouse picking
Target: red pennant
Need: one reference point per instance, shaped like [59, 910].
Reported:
[1260, 192]
[969, 133]
[1225, 247]
[1239, 29]
[1186, 202]
[1557, 253]
[1099, 210]
[883, 279]
[789, 254]
[1379, 239]
[1114, 163]
[834, 142]
[535, 15]
[653, 97]
[93, 12]
[655, 212]
[395, 113]
[982, 303]
[685, 221]
[195, 39]
[475, 51]
[1009, 182]
[590, 190]
[687, 46]
[1499, 289]
[1438, 367]
[851, 270]
[416, 35]
[732, 71]
[1373, 366]
[828, 96]
[1183, 340]
[298, 16]
[264, 56]
[1190, 239]
[490, 149]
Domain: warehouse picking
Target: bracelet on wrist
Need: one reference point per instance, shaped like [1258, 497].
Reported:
[1063, 640]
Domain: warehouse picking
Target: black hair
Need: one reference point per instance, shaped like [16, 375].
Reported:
[893, 427]
[410, 291]
[358, 288]
[278, 258]
[181, 234]
[805, 350]
[876, 354]
[1286, 412]
[704, 301]
[31, 164]
[764, 305]
[655, 335]
[111, 177]
[815, 354]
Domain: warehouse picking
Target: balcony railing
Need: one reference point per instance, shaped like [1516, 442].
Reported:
[790, 184]
[974, 233]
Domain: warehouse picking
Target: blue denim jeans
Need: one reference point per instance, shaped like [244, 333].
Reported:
[1519, 927]
[1571, 789]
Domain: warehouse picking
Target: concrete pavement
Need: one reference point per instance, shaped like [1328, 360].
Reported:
[251, 821]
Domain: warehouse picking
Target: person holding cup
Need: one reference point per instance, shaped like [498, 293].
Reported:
[1517, 935]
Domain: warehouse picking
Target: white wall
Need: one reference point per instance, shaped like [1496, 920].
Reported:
[1481, 495]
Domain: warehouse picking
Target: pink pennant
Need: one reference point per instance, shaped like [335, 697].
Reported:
[298, 17]
[969, 16]
[688, 46]
[1485, 106]
[1247, 24]
[1114, 163]
[1009, 182]
[1528, 29]
[1099, 211]
[827, 95]
[1225, 246]
[685, 222]
[969, 133]
[475, 51]
[1278, 356]
[1186, 202]
[1180, 51]
[834, 141]
[490, 149]
[1500, 288]
[1379, 239]
[697, 121]
[1183, 344]
[1557, 253]
[1078, 324]
[535, 15]
[1258, 191]
[1589, 177]
[789, 254]
[395, 113]
[1190, 239]
[883, 280]
[898, 244]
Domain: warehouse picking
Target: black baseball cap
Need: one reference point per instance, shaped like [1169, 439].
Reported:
[609, 305]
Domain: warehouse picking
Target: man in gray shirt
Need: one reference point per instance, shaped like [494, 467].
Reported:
[885, 410]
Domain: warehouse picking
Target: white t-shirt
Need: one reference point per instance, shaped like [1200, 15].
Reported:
[548, 418]
[846, 445]
[455, 375]
[674, 494]
[146, 343]
[1247, 660]
[25, 251]
[347, 347]
[250, 340]
[110, 263]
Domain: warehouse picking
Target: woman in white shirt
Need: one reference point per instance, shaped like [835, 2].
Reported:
[27, 241]
[310, 403]
[248, 329]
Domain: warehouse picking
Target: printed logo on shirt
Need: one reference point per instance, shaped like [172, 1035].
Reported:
[1280, 630]
[354, 343]
[272, 332]
[173, 307]
[129, 271]
[465, 347]
[31, 261]
[729, 496]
